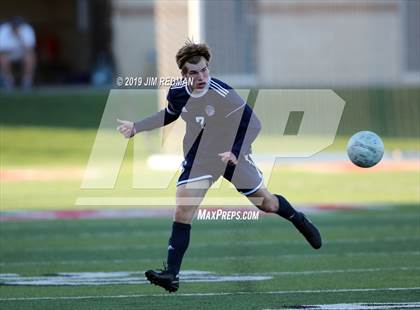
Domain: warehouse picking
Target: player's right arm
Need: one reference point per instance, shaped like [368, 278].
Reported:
[162, 118]
[159, 119]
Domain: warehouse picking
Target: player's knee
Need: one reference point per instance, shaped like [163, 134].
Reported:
[183, 209]
[269, 205]
[184, 213]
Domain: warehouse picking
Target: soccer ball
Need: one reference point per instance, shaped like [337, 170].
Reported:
[365, 149]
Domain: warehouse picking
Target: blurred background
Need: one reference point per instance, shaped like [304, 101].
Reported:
[255, 43]
[368, 52]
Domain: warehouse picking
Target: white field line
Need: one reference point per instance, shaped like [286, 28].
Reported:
[186, 275]
[117, 278]
[153, 201]
[217, 258]
[358, 306]
[209, 244]
[354, 270]
[344, 290]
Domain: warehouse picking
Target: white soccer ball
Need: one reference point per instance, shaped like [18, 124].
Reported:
[365, 149]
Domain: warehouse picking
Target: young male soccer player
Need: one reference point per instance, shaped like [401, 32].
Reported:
[220, 128]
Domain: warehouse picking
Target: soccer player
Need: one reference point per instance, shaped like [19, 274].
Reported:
[220, 128]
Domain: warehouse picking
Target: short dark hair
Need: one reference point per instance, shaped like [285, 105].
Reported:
[192, 53]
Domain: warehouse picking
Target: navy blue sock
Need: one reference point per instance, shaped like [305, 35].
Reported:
[178, 244]
[286, 210]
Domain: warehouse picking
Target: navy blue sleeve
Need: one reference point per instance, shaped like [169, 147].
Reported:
[248, 130]
[248, 124]
[161, 118]
[175, 101]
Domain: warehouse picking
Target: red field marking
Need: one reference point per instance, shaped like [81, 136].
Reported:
[346, 166]
[39, 174]
[77, 173]
[13, 216]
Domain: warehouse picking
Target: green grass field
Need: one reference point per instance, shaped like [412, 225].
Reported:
[366, 254]
[64, 154]
[369, 255]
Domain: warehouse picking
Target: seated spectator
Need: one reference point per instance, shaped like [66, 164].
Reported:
[17, 43]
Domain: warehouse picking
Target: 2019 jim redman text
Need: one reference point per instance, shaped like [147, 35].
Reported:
[150, 81]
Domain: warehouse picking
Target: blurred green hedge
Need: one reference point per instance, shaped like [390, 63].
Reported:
[389, 112]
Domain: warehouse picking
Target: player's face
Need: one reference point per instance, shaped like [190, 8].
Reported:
[199, 73]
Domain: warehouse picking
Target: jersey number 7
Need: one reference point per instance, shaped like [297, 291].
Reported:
[200, 120]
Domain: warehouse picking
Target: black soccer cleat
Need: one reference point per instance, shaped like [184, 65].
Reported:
[308, 230]
[163, 278]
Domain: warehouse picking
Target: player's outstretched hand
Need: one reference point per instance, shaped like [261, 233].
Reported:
[126, 128]
[228, 158]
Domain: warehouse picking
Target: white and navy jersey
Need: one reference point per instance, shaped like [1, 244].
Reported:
[212, 118]
[217, 120]
[217, 92]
